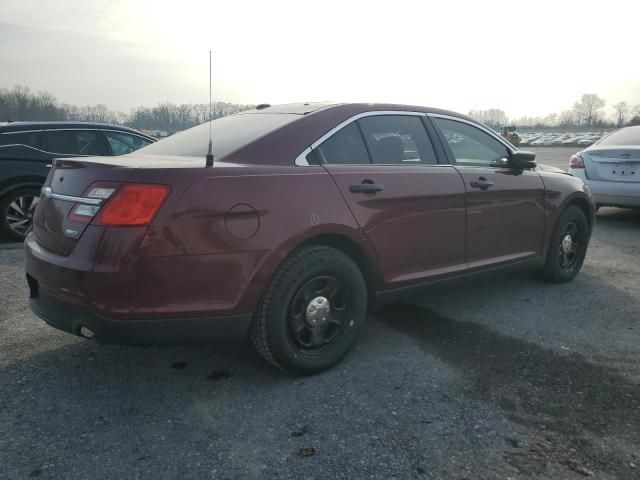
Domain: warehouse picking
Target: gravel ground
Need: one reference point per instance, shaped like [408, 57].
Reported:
[507, 378]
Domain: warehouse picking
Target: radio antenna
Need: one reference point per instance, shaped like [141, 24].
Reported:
[209, 157]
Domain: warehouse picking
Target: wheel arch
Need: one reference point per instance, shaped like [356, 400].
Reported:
[365, 260]
[585, 205]
[14, 183]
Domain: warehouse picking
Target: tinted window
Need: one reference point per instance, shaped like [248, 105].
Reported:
[74, 142]
[470, 145]
[229, 134]
[31, 139]
[625, 136]
[345, 147]
[122, 143]
[397, 139]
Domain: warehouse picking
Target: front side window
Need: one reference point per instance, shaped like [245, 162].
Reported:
[30, 139]
[397, 140]
[122, 143]
[345, 147]
[74, 142]
[471, 146]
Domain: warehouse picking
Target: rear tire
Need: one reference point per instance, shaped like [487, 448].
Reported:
[311, 313]
[16, 212]
[568, 246]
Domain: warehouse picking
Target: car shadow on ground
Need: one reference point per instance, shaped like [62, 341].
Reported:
[572, 404]
[559, 391]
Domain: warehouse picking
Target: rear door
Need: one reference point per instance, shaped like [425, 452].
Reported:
[410, 207]
[505, 207]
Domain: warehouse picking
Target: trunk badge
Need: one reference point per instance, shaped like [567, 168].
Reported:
[71, 233]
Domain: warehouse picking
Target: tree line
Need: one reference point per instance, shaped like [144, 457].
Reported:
[20, 103]
[587, 112]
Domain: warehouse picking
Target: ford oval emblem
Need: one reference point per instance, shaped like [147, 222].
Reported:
[46, 192]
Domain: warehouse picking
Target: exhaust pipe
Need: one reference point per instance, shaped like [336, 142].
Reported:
[86, 333]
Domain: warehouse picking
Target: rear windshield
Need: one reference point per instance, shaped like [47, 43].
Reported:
[229, 133]
[625, 136]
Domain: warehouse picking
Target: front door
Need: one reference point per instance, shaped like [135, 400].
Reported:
[410, 208]
[505, 209]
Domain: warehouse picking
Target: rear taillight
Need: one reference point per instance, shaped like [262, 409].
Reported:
[576, 161]
[122, 204]
[83, 213]
[132, 204]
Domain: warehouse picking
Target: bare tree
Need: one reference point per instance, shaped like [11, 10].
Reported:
[20, 103]
[621, 110]
[588, 108]
[494, 117]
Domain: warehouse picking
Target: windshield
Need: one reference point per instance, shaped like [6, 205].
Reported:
[229, 133]
[624, 136]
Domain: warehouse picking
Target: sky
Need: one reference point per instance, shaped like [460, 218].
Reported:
[528, 58]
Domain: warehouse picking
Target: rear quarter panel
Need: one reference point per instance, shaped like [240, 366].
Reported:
[225, 230]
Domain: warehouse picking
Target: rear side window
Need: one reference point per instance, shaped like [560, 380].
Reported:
[397, 140]
[624, 136]
[122, 143]
[30, 139]
[345, 147]
[74, 142]
[229, 133]
[470, 145]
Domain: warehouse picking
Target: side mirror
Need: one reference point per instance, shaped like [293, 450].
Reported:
[521, 159]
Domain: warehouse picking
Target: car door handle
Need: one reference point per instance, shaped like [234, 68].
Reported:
[371, 188]
[482, 183]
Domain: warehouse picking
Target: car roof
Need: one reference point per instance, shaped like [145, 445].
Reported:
[35, 125]
[315, 120]
[302, 108]
[306, 108]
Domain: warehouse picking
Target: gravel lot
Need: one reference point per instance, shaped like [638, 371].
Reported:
[507, 378]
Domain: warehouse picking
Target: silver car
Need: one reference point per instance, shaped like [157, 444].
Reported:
[611, 168]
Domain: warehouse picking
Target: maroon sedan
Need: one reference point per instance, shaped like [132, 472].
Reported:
[310, 215]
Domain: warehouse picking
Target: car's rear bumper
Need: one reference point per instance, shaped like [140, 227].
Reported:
[143, 300]
[71, 317]
[622, 194]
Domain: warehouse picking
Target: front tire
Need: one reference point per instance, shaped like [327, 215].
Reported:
[310, 315]
[568, 246]
[16, 212]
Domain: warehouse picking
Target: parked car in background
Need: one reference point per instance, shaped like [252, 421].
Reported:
[310, 214]
[27, 150]
[611, 168]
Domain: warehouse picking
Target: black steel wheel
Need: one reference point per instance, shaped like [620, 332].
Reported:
[311, 313]
[17, 209]
[318, 314]
[568, 246]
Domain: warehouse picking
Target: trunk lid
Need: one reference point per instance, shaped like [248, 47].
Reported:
[612, 163]
[52, 227]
